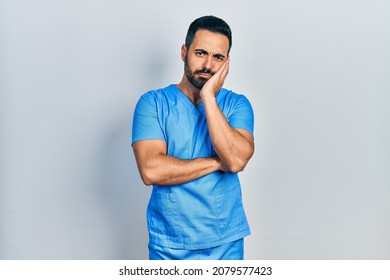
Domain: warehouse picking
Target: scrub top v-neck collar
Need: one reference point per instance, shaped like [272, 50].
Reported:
[190, 106]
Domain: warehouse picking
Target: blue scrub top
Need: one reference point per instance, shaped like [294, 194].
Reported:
[207, 211]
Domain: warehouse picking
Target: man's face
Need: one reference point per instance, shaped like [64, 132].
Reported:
[205, 56]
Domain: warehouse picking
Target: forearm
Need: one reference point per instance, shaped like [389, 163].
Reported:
[233, 148]
[167, 170]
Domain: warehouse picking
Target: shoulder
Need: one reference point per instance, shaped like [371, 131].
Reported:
[230, 94]
[157, 97]
[233, 98]
[157, 93]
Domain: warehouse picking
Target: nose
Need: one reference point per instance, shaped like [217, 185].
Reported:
[208, 62]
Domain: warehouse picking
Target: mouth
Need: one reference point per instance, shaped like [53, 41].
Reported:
[205, 75]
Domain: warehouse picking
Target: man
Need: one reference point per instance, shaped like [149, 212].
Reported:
[190, 140]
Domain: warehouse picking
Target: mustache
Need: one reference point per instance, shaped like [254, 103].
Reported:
[204, 71]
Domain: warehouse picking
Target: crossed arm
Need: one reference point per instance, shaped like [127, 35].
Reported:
[234, 147]
[158, 168]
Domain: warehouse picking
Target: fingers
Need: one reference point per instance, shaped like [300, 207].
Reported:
[225, 68]
[222, 71]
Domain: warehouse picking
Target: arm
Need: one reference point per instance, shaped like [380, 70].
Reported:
[234, 146]
[157, 168]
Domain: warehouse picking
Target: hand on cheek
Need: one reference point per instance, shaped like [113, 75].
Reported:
[215, 83]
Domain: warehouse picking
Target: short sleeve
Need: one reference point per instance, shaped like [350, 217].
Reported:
[146, 125]
[242, 116]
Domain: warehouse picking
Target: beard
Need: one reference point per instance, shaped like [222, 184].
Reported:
[196, 82]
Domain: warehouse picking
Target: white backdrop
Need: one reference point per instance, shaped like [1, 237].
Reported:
[317, 75]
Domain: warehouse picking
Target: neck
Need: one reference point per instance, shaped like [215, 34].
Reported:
[189, 90]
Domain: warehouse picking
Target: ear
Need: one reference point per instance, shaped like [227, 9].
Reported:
[183, 52]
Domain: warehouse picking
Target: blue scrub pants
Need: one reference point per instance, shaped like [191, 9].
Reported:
[230, 251]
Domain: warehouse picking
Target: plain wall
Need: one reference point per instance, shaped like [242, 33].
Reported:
[316, 73]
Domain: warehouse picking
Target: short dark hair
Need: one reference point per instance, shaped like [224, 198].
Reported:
[209, 23]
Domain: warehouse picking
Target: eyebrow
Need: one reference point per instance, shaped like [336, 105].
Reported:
[206, 52]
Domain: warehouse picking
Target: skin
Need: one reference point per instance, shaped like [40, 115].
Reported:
[207, 65]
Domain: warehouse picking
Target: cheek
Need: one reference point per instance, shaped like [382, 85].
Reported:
[216, 66]
[195, 64]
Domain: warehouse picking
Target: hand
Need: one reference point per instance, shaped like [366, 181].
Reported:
[222, 165]
[215, 83]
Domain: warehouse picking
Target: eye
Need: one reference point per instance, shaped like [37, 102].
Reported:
[220, 57]
[199, 53]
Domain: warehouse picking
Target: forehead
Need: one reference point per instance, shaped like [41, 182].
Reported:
[210, 41]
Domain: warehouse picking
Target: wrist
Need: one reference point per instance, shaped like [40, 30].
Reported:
[219, 164]
[207, 96]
